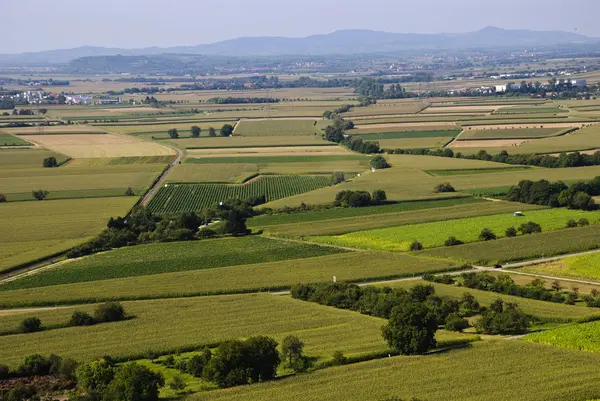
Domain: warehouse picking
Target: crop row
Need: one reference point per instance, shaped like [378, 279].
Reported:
[194, 197]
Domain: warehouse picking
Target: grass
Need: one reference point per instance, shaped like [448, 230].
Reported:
[581, 337]
[36, 229]
[276, 128]
[404, 134]
[245, 141]
[172, 257]
[168, 325]
[174, 198]
[523, 247]
[352, 267]
[339, 213]
[416, 143]
[530, 110]
[546, 311]
[452, 172]
[116, 161]
[26, 158]
[360, 223]
[275, 159]
[506, 365]
[234, 173]
[583, 267]
[515, 133]
[11, 140]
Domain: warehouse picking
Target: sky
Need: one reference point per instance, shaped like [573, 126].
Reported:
[34, 25]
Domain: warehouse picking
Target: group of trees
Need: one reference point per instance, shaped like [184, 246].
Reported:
[242, 100]
[375, 89]
[143, 226]
[444, 187]
[360, 198]
[556, 194]
[50, 162]
[195, 131]
[336, 133]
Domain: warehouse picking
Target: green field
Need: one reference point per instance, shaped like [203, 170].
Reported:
[276, 159]
[531, 110]
[404, 134]
[26, 158]
[546, 311]
[585, 267]
[172, 257]
[516, 133]
[245, 141]
[434, 234]
[32, 230]
[523, 247]
[416, 143]
[355, 266]
[451, 172]
[277, 128]
[360, 223]
[11, 140]
[491, 371]
[581, 337]
[174, 198]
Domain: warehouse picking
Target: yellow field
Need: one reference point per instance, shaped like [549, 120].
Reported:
[94, 145]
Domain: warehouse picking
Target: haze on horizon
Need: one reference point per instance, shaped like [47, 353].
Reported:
[35, 25]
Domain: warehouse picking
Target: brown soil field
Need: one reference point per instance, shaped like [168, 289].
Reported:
[491, 143]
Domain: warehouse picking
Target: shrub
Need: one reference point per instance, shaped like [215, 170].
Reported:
[487, 235]
[173, 133]
[109, 312]
[511, 232]
[379, 163]
[571, 224]
[583, 222]
[177, 383]
[453, 241]
[454, 322]
[50, 162]
[530, 228]
[339, 358]
[2, 198]
[195, 365]
[337, 178]
[133, 382]
[129, 192]
[4, 372]
[40, 194]
[444, 187]
[416, 246]
[227, 130]
[81, 319]
[31, 325]
[503, 319]
[206, 233]
[379, 196]
[35, 365]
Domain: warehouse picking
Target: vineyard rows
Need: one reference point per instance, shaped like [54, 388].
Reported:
[176, 198]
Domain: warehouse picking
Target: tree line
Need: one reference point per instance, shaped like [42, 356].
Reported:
[195, 131]
[556, 194]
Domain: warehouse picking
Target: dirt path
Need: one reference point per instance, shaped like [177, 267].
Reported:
[449, 144]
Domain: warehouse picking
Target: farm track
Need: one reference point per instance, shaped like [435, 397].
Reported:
[448, 145]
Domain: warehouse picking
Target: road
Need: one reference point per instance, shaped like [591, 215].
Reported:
[152, 191]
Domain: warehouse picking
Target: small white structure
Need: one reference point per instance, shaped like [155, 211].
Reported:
[519, 214]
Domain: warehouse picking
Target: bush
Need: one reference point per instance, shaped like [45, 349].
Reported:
[129, 192]
[173, 133]
[416, 246]
[571, 224]
[50, 162]
[227, 130]
[195, 365]
[81, 319]
[35, 365]
[530, 228]
[4, 372]
[487, 235]
[337, 178]
[444, 187]
[40, 194]
[379, 196]
[31, 325]
[503, 319]
[133, 382]
[2, 198]
[583, 222]
[379, 163]
[339, 358]
[453, 241]
[206, 233]
[177, 383]
[109, 312]
[454, 322]
[511, 232]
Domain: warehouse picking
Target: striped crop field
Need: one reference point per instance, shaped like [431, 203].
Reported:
[188, 197]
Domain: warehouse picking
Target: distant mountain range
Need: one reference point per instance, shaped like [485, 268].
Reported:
[343, 42]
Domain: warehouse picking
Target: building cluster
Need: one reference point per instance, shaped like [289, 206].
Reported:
[42, 97]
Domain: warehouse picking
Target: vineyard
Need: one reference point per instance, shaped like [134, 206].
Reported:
[194, 197]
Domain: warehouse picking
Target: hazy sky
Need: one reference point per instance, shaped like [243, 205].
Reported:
[31, 25]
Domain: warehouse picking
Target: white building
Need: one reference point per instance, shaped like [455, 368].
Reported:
[78, 99]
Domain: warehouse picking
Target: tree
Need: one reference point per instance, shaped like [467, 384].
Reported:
[453, 241]
[337, 178]
[379, 163]
[81, 319]
[2, 198]
[195, 366]
[93, 378]
[339, 358]
[454, 322]
[502, 319]
[196, 131]
[379, 197]
[212, 131]
[487, 235]
[411, 329]
[530, 228]
[31, 325]
[173, 133]
[177, 383]
[129, 192]
[35, 365]
[416, 246]
[582, 201]
[511, 232]
[133, 382]
[291, 353]
[556, 286]
[227, 130]
[581, 223]
[109, 312]
[40, 194]
[50, 162]
[444, 187]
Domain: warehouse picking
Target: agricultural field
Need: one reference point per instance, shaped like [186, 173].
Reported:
[269, 151]
[521, 248]
[36, 229]
[276, 128]
[159, 129]
[12, 140]
[527, 133]
[162, 258]
[195, 197]
[407, 377]
[246, 142]
[583, 267]
[416, 143]
[11, 158]
[376, 136]
[581, 337]
[244, 278]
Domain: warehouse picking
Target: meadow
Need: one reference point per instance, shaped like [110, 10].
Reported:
[521, 248]
[33, 230]
[269, 276]
[581, 337]
[174, 198]
[506, 365]
[172, 257]
[276, 128]
[434, 234]
[584, 267]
